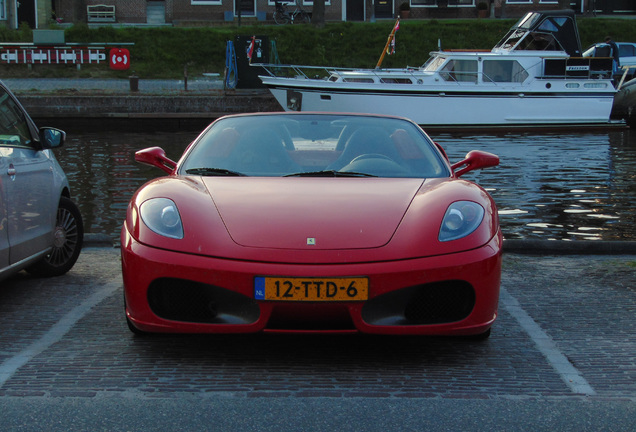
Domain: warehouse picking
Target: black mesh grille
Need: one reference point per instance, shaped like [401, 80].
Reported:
[434, 303]
[440, 303]
[183, 300]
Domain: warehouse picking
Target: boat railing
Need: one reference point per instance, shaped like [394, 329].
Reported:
[553, 68]
[324, 72]
[297, 71]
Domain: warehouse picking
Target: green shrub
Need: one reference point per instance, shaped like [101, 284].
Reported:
[165, 52]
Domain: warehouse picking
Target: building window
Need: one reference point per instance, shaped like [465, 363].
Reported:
[423, 2]
[518, 1]
[206, 2]
[307, 3]
[461, 3]
[3, 10]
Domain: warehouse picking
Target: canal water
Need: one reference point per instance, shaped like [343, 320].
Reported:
[566, 186]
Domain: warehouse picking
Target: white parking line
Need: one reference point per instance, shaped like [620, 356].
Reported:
[566, 370]
[55, 333]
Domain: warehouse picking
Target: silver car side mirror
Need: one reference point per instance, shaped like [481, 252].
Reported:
[52, 137]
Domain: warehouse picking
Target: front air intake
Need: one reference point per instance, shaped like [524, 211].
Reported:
[188, 301]
[434, 303]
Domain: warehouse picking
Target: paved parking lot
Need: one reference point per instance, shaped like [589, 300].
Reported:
[566, 333]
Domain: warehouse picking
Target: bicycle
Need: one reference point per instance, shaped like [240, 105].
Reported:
[283, 16]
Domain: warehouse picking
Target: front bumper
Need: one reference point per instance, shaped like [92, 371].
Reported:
[454, 294]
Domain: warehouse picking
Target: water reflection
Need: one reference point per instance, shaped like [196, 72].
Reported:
[99, 162]
[558, 186]
[548, 186]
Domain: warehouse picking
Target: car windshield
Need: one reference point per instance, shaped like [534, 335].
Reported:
[314, 145]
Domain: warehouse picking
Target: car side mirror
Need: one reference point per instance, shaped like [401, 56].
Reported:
[475, 159]
[156, 156]
[52, 137]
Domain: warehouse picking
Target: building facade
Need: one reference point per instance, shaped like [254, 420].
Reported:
[34, 13]
[41, 13]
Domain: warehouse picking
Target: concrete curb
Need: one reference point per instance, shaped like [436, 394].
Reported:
[97, 240]
[147, 106]
[562, 247]
[515, 246]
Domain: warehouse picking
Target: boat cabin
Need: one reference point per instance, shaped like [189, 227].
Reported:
[544, 31]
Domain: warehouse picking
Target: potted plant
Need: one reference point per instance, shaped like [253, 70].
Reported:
[405, 10]
[482, 9]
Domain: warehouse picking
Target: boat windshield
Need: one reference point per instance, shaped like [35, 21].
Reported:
[544, 31]
[528, 20]
[433, 64]
[314, 145]
[539, 42]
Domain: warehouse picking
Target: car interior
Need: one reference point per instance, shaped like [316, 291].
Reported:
[278, 146]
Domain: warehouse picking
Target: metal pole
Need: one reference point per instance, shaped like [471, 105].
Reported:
[388, 42]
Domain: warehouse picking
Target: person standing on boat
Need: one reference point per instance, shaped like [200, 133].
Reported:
[614, 47]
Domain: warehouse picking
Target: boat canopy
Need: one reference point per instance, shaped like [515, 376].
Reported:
[544, 31]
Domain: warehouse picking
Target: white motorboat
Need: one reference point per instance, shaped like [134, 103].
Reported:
[534, 76]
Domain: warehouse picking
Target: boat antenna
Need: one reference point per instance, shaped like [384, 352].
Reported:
[388, 42]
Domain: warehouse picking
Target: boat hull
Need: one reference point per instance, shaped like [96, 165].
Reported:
[535, 76]
[449, 108]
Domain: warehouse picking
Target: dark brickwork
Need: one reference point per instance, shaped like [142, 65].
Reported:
[130, 10]
[184, 13]
[585, 304]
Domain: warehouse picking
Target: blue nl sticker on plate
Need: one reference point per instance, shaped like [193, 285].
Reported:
[259, 288]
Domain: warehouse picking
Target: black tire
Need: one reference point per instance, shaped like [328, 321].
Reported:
[481, 336]
[69, 237]
[304, 18]
[135, 330]
[130, 325]
[281, 18]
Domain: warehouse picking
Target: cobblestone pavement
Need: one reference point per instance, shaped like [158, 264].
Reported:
[67, 336]
[564, 345]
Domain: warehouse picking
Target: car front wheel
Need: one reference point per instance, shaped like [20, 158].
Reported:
[67, 243]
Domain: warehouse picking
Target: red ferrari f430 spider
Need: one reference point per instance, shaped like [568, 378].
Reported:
[287, 222]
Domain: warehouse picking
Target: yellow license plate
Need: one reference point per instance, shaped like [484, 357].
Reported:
[311, 289]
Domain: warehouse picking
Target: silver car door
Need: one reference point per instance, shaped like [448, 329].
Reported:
[27, 183]
[4, 235]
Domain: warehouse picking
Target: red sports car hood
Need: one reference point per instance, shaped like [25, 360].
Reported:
[310, 213]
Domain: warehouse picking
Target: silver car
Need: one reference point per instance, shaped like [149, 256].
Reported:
[41, 229]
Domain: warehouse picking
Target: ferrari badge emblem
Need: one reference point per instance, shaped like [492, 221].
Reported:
[311, 241]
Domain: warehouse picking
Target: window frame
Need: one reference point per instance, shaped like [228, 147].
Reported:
[206, 2]
[451, 4]
[424, 3]
[292, 3]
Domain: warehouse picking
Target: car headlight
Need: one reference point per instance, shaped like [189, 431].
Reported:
[162, 216]
[461, 219]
